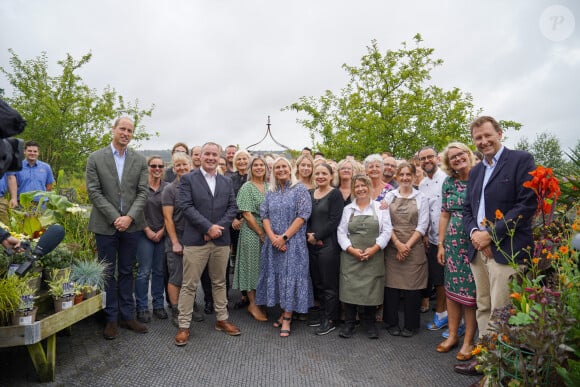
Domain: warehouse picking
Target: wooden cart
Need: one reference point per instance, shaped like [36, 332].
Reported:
[31, 335]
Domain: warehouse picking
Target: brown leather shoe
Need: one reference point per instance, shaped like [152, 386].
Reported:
[441, 348]
[182, 337]
[468, 369]
[135, 326]
[463, 357]
[111, 330]
[257, 313]
[227, 327]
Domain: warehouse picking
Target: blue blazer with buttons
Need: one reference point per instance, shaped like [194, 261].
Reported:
[504, 191]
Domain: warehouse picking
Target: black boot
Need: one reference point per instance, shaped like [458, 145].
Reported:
[347, 330]
[369, 322]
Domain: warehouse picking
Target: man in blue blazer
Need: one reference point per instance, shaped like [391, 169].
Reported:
[208, 204]
[496, 184]
[117, 186]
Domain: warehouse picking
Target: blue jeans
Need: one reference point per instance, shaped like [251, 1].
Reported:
[150, 257]
[118, 250]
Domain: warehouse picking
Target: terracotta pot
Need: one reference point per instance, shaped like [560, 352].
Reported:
[78, 298]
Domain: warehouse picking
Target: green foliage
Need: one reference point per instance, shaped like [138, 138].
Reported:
[388, 105]
[89, 273]
[65, 116]
[570, 178]
[546, 150]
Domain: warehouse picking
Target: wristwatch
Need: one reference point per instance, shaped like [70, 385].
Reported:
[285, 237]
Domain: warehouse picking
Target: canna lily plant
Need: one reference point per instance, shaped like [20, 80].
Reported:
[535, 339]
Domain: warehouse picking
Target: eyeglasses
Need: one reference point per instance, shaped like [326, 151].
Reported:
[456, 156]
[425, 158]
[158, 166]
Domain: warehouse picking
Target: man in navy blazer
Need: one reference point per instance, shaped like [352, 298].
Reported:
[496, 184]
[117, 185]
[208, 204]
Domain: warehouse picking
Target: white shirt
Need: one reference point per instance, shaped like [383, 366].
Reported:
[432, 189]
[383, 216]
[210, 179]
[422, 207]
[488, 171]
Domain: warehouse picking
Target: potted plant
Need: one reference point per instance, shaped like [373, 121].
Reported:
[16, 297]
[25, 314]
[61, 288]
[89, 274]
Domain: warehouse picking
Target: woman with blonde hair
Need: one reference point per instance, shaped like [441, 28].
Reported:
[457, 161]
[305, 170]
[284, 267]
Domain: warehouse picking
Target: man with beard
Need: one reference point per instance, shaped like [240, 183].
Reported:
[389, 171]
[431, 186]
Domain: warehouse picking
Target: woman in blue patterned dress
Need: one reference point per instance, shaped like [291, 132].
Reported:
[453, 242]
[284, 270]
[247, 264]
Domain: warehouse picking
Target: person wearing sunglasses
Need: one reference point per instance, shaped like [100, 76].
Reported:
[151, 247]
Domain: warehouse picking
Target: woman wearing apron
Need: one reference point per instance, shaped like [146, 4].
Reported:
[363, 232]
[405, 260]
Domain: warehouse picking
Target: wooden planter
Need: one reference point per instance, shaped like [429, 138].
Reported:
[31, 335]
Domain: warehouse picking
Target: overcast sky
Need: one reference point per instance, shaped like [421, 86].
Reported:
[215, 69]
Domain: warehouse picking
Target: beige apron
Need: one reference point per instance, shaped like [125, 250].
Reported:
[362, 283]
[411, 273]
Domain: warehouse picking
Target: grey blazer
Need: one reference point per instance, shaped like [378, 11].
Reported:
[106, 193]
[201, 209]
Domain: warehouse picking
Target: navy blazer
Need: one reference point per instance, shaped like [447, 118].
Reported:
[201, 209]
[504, 191]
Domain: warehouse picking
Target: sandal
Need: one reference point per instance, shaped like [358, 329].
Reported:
[278, 323]
[285, 332]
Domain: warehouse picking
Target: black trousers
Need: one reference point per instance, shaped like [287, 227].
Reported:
[367, 313]
[324, 272]
[411, 307]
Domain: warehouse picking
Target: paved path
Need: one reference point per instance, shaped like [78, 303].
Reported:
[259, 357]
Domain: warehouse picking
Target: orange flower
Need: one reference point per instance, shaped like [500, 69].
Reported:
[535, 261]
[476, 351]
[549, 255]
[516, 296]
[498, 214]
[563, 249]
[505, 339]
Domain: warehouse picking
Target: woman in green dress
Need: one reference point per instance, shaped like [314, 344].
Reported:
[452, 251]
[247, 267]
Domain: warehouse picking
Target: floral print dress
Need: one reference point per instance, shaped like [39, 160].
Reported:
[459, 281]
[285, 276]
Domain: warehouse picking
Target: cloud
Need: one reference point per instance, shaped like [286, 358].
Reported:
[216, 69]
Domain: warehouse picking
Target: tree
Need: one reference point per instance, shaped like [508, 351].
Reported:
[388, 105]
[68, 119]
[546, 150]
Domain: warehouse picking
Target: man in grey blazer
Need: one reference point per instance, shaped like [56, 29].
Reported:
[117, 186]
[208, 204]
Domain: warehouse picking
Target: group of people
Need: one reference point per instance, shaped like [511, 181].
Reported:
[354, 242]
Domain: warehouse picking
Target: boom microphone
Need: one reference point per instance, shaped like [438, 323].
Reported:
[53, 235]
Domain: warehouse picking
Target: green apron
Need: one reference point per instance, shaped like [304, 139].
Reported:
[412, 273]
[362, 283]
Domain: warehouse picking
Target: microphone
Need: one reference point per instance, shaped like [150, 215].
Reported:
[53, 235]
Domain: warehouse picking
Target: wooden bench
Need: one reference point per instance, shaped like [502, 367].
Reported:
[31, 335]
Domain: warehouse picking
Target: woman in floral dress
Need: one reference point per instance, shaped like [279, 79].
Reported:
[284, 270]
[452, 252]
[247, 268]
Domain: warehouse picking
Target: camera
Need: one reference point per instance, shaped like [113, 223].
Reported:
[11, 149]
